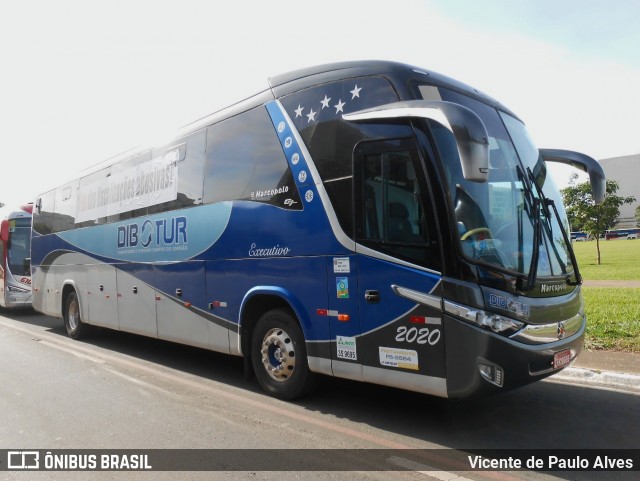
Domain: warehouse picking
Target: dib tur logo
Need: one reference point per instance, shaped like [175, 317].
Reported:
[162, 232]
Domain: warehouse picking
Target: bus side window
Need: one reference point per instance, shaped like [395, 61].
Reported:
[245, 161]
[391, 203]
[188, 154]
[65, 213]
[43, 218]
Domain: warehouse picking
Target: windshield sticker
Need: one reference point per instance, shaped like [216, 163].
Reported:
[342, 286]
[400, 358]
[346, 348]
[341, 265]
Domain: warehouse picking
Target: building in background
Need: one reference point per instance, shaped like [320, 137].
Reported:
[626, 171]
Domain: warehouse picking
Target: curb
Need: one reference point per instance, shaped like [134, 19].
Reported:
[603, 379]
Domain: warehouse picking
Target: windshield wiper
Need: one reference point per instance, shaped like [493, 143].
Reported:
[533, 206]
[541, 199]
[537, 240]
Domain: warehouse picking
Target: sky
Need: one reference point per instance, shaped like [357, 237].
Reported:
[82, 80]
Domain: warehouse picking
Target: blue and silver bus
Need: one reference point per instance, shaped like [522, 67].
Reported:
[579, 236]
[370, 220]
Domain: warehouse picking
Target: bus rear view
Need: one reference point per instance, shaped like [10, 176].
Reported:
[368, 220]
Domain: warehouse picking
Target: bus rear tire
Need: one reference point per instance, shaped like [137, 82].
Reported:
[279, 356]
[76, 329]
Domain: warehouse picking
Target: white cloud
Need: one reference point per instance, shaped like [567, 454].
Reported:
[84, 81]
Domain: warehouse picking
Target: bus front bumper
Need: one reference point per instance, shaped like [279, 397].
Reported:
[481, 362]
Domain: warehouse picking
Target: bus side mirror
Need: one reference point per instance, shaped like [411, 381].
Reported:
[468, 129]
[4, 230]
[583, 162]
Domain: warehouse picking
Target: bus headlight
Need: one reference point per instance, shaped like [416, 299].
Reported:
[499, 324]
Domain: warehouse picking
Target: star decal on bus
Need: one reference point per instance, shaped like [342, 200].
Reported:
[311, 116]
[325, 104]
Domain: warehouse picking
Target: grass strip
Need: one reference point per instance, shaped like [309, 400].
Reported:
[620, 259]
[613, 318]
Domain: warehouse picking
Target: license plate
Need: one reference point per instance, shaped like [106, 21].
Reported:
[561, 359]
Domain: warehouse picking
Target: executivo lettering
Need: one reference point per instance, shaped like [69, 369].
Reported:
[276, 250]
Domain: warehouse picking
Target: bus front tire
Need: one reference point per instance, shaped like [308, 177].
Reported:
[279, 356]
[76, 329]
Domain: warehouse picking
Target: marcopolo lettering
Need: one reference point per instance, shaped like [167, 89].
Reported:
[163, 232]
[544, 288]
[261, 194]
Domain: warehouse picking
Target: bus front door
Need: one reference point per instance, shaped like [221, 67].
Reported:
[401, 340]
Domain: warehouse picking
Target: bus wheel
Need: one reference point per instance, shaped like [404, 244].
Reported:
[279, 356]
[72, 322]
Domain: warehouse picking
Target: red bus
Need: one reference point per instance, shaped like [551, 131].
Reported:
[15, 258]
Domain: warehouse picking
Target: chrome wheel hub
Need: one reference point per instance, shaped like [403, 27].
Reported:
[278, 354]
[74, 316]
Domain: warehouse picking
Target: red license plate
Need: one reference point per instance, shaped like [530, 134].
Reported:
[561, 359]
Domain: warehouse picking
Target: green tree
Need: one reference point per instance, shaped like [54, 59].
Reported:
[586, 216]
[638, 216]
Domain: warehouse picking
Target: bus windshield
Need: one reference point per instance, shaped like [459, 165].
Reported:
[18, 254]
[497, 220]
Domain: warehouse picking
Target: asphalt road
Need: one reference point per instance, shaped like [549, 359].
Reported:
[123, 391]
